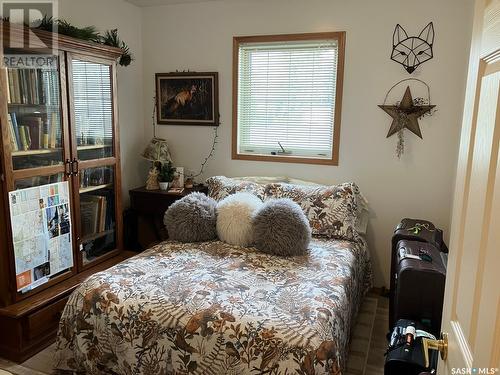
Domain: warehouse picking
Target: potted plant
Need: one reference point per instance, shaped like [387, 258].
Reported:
[166, 175]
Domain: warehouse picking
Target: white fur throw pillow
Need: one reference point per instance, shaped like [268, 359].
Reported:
[234, 218]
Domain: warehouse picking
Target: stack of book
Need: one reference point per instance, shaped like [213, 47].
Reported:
[93, 214]
[33, 132]
[26, 86]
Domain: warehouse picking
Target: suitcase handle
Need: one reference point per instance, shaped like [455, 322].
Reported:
[422, 255]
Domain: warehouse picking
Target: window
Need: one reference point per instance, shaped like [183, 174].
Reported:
[287, 92]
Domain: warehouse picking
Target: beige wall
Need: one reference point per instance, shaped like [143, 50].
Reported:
[105, 15]
[199, 37]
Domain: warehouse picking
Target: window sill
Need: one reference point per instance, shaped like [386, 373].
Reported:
[286, 159]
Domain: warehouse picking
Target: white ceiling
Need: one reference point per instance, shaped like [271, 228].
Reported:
[150, 3]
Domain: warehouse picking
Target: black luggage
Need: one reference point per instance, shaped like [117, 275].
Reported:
[419, 230]
[417, 285]
[402, 359]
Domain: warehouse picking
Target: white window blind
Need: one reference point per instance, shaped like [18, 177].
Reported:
[92, 100]
[286, 95]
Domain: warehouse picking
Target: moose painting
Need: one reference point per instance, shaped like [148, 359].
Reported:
[187, 98]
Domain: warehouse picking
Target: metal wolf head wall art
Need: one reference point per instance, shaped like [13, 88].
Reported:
[411, 51]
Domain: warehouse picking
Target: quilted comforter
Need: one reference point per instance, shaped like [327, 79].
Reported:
[213, 308]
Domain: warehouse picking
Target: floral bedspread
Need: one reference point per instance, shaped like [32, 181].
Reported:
[213, 308]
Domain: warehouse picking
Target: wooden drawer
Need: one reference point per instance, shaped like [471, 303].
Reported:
[152, 204]
[45, 319]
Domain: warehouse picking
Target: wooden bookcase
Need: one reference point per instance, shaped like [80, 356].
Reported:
[59, 122]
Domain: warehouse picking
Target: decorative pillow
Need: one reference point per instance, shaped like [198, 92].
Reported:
[281, 228]
[192, 219]
[332, 211]
[234, 218]
[220, 187]
[263, 180]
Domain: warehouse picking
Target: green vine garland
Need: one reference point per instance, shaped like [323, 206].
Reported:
[87, 33]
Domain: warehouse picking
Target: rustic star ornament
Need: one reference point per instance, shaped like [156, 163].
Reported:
[406, 114]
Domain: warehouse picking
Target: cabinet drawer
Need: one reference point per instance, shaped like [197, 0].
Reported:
[151, 203]
[45, 319]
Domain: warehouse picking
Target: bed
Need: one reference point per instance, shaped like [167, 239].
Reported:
[214, 308]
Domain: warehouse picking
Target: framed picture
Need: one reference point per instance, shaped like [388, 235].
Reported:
[187, 98]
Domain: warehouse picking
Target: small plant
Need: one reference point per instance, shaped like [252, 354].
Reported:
[111, 38]
[166, 172]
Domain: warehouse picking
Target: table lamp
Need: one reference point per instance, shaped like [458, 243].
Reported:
[156, 152]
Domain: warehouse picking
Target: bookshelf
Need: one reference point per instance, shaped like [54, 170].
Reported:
[94, 188]
[36, 152]
[58, 123]
[92, 237]
[92, 147]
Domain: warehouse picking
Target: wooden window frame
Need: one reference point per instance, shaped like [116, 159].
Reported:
[339, 36]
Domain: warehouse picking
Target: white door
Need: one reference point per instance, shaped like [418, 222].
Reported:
[471, 315]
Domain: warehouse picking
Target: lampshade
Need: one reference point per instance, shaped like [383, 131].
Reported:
[157, 150]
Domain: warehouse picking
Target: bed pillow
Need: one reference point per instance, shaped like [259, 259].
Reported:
[234, 218]
[363, 212]
[281, 228]
[220, 187]
[263, 180]
[332, 211]
[192, 219]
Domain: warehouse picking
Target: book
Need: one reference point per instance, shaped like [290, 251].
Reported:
[23, 84]
[34, 124]
[102, 214]
[33, 86]
[9, 91]
[24, 135]
[13, 117]
[89, 214]
[13, 141]
[45, 135]
[96, 213]
[53, 130]
[15, 85]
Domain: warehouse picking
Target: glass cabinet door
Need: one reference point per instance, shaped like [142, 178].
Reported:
[93, 112]
[34, 115]
[91, 95]
[36, 151]
[97, 213]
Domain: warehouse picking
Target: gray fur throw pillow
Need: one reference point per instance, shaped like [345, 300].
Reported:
[192, 219]
[281, 228]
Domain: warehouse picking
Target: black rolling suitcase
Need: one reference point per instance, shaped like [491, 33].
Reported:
[402, 359]
[419, 284]
[417, 279]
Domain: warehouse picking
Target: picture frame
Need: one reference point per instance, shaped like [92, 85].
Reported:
[187, 98]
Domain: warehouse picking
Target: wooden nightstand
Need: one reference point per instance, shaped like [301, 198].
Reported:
[149, 207]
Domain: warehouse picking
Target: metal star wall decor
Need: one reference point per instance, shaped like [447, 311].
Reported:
[406, 114]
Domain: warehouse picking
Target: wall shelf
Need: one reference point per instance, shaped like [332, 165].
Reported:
[92, 147]
[36, 152]
[93, 188]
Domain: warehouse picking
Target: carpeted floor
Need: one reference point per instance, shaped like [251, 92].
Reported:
[366, 354]
[378, 344]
